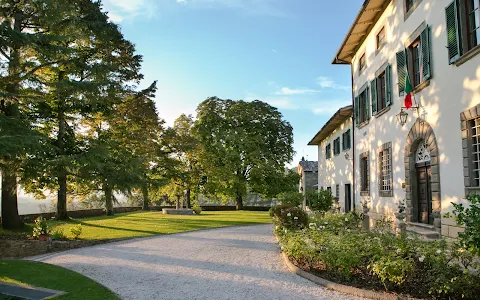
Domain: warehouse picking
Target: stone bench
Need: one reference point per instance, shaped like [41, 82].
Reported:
[173, 211]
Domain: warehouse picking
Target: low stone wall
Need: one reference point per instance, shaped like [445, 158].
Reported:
[26, 248]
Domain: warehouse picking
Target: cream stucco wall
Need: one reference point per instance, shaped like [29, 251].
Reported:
[337, 169]
[452, 90]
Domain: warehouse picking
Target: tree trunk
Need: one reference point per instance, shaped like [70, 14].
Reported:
[145, 197]
[10, 217]
[239, 201]
[189, 204]
[108, 200]
[62, 213]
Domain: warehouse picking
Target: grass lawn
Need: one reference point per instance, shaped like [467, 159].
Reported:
[52, 277]
[137, 224]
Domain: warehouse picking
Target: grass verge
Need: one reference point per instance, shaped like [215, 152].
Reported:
[53, 277]
[139, 224]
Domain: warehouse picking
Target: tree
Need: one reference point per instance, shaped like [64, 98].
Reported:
[90, 69]
[246, 146]
[185, 151]
[22, 38]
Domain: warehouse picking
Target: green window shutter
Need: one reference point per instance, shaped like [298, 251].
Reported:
[356, 111]
[401, 71]
[349, 143]
[367, 103]
[453, 38]
[426, 53]
[388, 85]
[373, 84]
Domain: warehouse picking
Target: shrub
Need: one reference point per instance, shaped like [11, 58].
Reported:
[470, 218]
[293, 218]
[58, 235]
[197, 209]
[40, 228]
[319, 200]
[277, 209]
[76, 231]
[291, 198]
[334, 245]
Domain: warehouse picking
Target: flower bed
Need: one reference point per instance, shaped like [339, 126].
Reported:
[333, 247]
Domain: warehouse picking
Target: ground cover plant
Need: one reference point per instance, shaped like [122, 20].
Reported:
[334, 247]
[137, 224]
[53, 277]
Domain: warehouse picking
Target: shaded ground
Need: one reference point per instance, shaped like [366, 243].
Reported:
[227, 263]
[53, 277]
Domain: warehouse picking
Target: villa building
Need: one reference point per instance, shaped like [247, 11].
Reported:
[429, 154]
[334, 143]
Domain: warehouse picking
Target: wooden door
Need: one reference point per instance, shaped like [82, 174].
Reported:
[424, 175]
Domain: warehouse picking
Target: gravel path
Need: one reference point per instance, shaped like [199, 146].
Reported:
[226, 263]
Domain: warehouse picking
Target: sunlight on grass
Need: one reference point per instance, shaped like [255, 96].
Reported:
[138, 224]
[53, 277]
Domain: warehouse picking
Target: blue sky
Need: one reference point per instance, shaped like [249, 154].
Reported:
[277, 51]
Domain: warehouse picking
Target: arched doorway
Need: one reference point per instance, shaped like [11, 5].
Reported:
[422, 176]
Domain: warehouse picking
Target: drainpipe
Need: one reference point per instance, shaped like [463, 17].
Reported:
[354, 193]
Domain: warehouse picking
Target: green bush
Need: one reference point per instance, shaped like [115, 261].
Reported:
[76, 231]
[291, 198]
[334, 245]
[319, 200]
[470, 218]
[292, 218]
[277, 210]
[197, 209]
[41, 227]
[58, 235]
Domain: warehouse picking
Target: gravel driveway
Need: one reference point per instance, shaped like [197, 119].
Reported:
[226, 263]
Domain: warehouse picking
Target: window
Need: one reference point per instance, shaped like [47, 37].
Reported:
[382, 90]
[362, 106]
[475, 157]
[362, 63]
[328, 151]
[385, 176]
[463, 27]
[473, 20]
[346, 140]
[364, 175]
[336, 146]
[409, 4]
[381, 38]
[415, 61]
[337, 191]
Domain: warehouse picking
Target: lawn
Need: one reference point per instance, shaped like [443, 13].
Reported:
[138, 224]
[52, 277]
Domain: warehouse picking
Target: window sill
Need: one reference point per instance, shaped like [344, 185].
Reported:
[382, 111]
[467, 56]
[363, 124]
[421, 86]
[379, 49]
[365, 193]
[385, 193]
[472, 190]
[346, 149]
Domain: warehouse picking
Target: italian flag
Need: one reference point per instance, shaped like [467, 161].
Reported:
[408, 91]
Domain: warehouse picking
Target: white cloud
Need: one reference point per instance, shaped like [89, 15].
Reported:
[121, 10]
[274, 51]
[326, 82]
[289, 91]
[329, 107]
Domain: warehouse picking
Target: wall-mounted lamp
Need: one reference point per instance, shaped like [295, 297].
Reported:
[402, 117]
[347, 156]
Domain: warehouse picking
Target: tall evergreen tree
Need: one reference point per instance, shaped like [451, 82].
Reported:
[91, 67]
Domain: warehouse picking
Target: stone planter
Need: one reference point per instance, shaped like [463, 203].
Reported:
[43, 237]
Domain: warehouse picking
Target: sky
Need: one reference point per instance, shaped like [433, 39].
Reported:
[276, 51]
